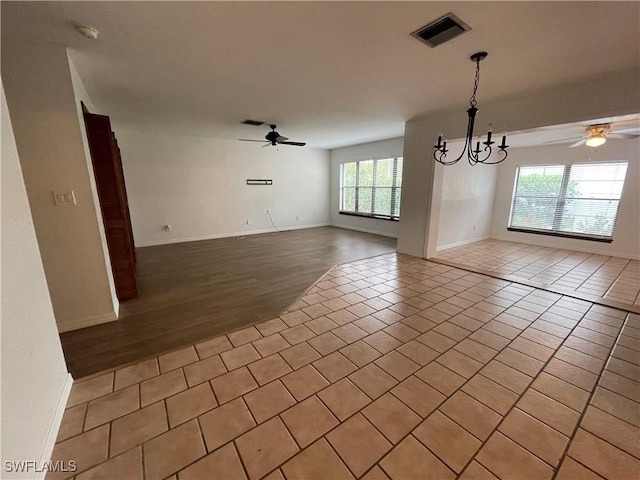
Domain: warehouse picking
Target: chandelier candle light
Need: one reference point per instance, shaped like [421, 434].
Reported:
[478, 155]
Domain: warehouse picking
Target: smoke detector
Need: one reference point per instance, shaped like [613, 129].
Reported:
[88, 32]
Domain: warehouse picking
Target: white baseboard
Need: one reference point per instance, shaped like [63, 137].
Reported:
[365, 230]
[240, 233]
[541, 243]
[54, 426]
[78, 323]
[459, 244]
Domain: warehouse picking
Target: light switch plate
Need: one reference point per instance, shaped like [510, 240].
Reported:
[61, 199]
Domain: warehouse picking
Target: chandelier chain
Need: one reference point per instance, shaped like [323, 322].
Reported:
[472, 100]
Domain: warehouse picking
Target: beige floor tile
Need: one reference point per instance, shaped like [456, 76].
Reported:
[506, 376]
[520, 361]
[490, 393]
[459, 363]
[225, 423]
[223, 463]
[240, 356]
[479, 352]
[616, 405]
[418, 396]
[266, 447]
[397, 365]
[572, 374]
[214, 346]
[436, 341]
[299, 355]
[138, 427]
[547, 410]
[326, 343]
[72, 422]
[358, 443]
[418, 352]
[244, 336]
[475, 417]
[372, 380]
[620, 385]
[269, 369]
[382, 342]
[369, 324]
[297, 334]
[587, 347]
[375, 473]
[335, 304]
[440, 378]
[418, 322]
[572, 470]
[87, 449]
[475, 471]
[318, 462]
[171, 451]
[190, 403]
[161, 387]
[423, 464]
[350, 333]
[318, 310]
[561, 391]
[448, 440]
[233, 384]
[177, 359]
[86, 390]
[204, 370]
[267, 401]
[391, 417]
[308, 421]
[334, 366]
[111, 406]
[304, 382]
[128, 465]
[136, 373]
[360, 353]
[321, 325]
[626, 369]
[272, 326]
[535, 436]
[602, 457]
[342, 317]
[489, 339]
[295, 318]
[615, 431]
[452, 331]
[343, 398]
[401, 332]
[506, 459]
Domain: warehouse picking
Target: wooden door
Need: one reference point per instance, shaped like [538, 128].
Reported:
[112, 194]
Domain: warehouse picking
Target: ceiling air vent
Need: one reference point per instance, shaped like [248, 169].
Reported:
[255, 123]
[441, 30]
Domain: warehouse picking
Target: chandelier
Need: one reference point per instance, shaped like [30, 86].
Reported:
[479, 155]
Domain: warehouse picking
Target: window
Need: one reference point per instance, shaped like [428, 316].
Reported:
[371, 188]
[578, 201]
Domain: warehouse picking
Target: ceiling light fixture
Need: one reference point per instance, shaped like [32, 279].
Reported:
[597, 135]
[596, 141]
[478, 155]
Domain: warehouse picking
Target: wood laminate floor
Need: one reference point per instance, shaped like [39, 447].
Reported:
[195, 290]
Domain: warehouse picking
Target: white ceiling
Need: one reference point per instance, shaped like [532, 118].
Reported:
[328, 73]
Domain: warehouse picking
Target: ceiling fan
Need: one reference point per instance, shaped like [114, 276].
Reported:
[273, 138]
[596, 135]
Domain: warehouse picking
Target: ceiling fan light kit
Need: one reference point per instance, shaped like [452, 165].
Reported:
[479, 155]
[596, 141]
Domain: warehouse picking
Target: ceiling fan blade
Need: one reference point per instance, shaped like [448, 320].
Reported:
[297, 144]
[622, 135]
[626, 130]
[267, 144]
[251, 140]
[562, 140]
[578, 143]
[281, 139]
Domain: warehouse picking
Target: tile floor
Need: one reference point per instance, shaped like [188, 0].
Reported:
[389, 367]
[611, 278]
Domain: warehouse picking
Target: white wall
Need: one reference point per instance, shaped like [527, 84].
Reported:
[35, 382]
[40, 96]
[365, 151]
[198, 186]
[466, 202]
[626, 236]
[422, 181]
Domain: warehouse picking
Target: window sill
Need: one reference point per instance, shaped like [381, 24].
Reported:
[368, 215]
[575, 236]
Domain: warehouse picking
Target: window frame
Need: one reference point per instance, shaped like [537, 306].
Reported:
[562, 199]
[395, 187]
